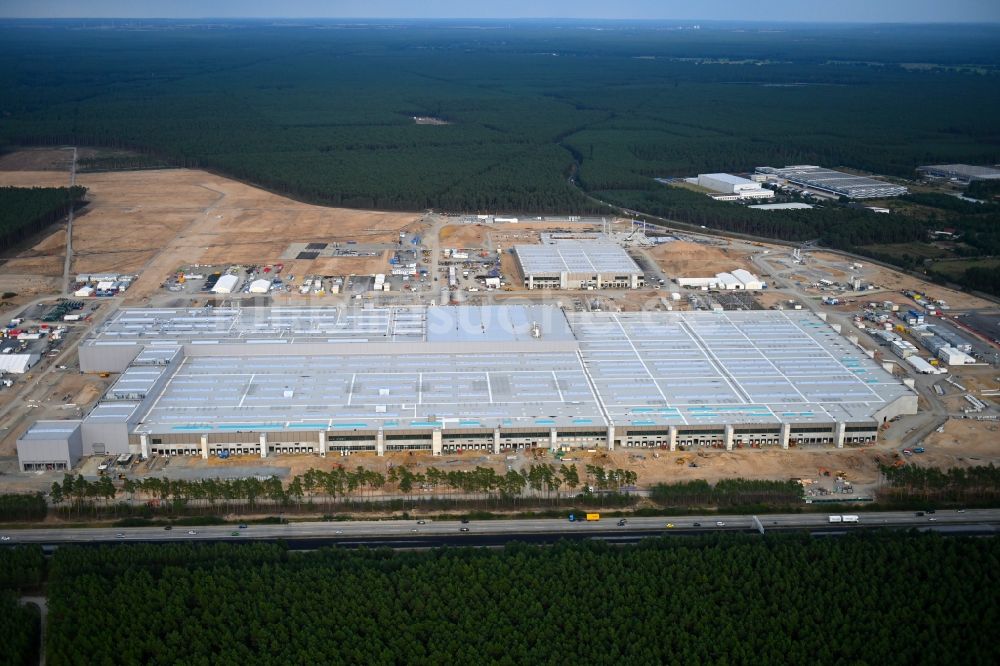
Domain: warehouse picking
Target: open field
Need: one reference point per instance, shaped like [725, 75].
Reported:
[505, 235]
[152, 222]
[957, 267]
[900, 282]
[919, 250]
[683, 258]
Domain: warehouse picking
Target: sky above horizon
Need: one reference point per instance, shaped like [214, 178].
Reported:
[862, 11]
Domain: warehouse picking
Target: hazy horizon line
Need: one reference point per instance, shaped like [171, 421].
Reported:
[498, 20]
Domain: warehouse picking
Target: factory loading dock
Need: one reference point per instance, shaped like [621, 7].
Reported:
[299, 380]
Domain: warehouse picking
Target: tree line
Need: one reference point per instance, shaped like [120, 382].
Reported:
[78, 495]
[27, 210]
[957, 485]
[714, 599]
[21, 568]
[22, 506]
[727, 493]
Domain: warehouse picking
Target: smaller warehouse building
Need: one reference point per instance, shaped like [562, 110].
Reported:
[732, 188]
[50, 446]
[577, 264]
[736, 280]
[963, 173]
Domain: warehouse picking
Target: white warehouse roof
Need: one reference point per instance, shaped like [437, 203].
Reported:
[585, 370]
[575, 256]
[17, 364]
[728, 178]
[226, 284]
[260, 286]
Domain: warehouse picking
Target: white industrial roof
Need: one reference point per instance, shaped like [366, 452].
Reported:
[260, 286]
[836, 182]
[226, 284]
[792, 205]
[49, 430]
[639, 369]
[968, 171]
[576, 256]
[745, 276]
[728, 178]
[17, 364]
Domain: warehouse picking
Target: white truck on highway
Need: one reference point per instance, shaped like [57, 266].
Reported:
[844, 519]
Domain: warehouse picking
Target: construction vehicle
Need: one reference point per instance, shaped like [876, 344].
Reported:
[681, 460]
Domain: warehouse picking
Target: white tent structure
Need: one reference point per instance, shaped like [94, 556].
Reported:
[260, 286]
[18, 364]
[226, 284]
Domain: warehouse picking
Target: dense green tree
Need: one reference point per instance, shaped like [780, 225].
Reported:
[24, 211]
[720, 599]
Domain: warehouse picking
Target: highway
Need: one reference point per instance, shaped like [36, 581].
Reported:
[408, 533]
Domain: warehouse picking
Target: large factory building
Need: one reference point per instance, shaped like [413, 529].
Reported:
[577, 264]
[299, 380]
[833, 183]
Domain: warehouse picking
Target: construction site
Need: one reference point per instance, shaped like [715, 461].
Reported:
[674, 341]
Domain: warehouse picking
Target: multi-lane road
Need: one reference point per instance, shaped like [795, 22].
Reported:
[409, 533]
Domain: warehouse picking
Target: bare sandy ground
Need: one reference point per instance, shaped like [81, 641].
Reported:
[505, 235]
[152, 222]
[685, 259]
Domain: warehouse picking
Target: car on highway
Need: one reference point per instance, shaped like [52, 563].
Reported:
[4, 538]
[932, 518]
[243, 526]
[413, 529]
[421, 522]
[119, 536]
[920, 514]
[622, 523]
[465, 521]
[669, 526]
[720, 523]
[339, 532]
[464, 529]
[695, 524]
[961, 510]
[168, 528]
[234, 534]
[192, 532]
